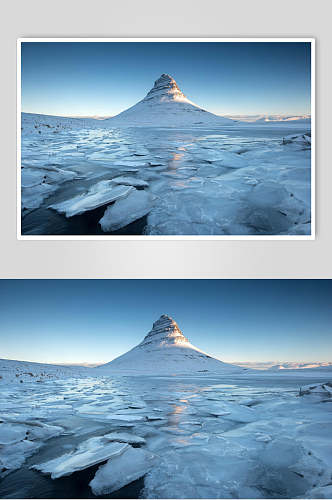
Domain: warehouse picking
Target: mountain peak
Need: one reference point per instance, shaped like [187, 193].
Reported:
[165, 105]
[164, 331]
[166, 89]
[165, 350]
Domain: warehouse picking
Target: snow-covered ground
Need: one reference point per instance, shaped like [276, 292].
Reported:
[253, 435]
[236, 180]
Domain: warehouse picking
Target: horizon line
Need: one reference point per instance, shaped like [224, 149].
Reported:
[105, 117]
[86, 364]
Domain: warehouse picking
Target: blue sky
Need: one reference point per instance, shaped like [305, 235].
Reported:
[97, 320]
[105, 78]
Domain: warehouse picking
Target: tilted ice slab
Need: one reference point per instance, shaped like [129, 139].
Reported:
[119, 471]
[123, 212]
[302, 140]
[38, 183]
[20, 440]
[12, 456]
[130, 181]
[13, 433]
[124, 437]
[30, 177]
[91, 452]
[125, 418]
[100, 194]
[33, 197]
[323, 391]
[10, 434]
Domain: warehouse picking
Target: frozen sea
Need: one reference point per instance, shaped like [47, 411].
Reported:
[249, 436]
[239, 180]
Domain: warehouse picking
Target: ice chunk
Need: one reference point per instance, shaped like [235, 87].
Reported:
[281, 452]
[133, 464]
[320, 492]
[323, 390]
[14, 455]
[31, 177]
[39, 183]
[123, 212]
[303, 139]
[126, 418]
[232, 160]
[91, 452]
[100, 194]
[33, 197]
[10, 434]
[264, 438]
[124, 437]
[268, 194]
[44, 431]
[130, 181]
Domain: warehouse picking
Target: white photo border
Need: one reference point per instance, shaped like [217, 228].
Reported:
[106, 237]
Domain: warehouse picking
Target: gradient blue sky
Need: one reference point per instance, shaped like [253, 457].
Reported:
[62, 78]
[234, 320]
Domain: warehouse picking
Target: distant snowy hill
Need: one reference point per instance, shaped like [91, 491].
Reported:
[284, 366]
[28, 371]
[165, 350]
[301, 366]
[166, 106]
[37, 123]
[273, 119]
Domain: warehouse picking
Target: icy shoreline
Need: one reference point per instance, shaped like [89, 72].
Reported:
[236, 180]
[254, 435]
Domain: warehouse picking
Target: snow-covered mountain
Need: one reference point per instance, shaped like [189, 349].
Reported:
[166, 106]
[165, 350]
[273, 119]
[301, 366]
[277, 366]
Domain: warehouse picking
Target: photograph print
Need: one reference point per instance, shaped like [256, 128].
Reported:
[166, 389]
[178, 138]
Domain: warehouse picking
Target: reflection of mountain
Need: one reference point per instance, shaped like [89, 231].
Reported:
[166, 106]
[165, 350]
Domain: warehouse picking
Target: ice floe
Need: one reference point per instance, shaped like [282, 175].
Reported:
[130, 181]
[124, 437]
[100, 194]
[123, 212]
[132, 464]
[90, 452]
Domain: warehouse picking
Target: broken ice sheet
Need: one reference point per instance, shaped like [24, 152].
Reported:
[90, 452]
[100, 194]
[130, 181]
[33, 197]
[121, 470]
[124, 437]
[249, 156]
[12, 456]
[10, 434]
[123, 212]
